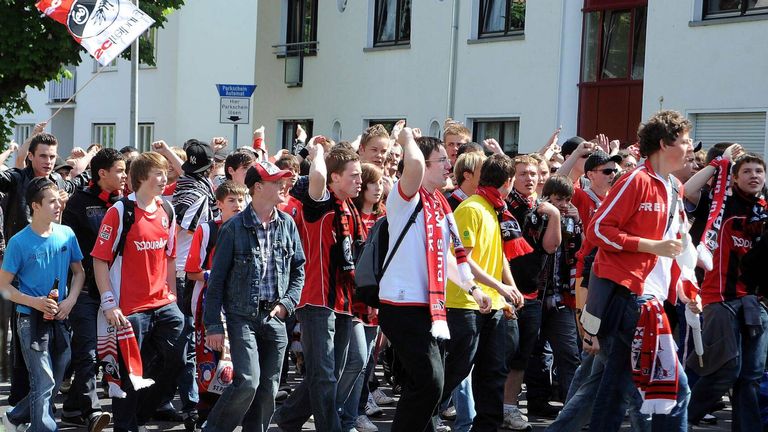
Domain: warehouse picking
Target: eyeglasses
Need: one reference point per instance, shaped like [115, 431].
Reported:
[441, 160]
[553, 170]
[608, 171]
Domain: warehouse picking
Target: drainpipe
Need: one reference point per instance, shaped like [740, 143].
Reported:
[452, 59]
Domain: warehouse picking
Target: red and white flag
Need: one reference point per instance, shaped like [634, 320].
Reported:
[103, 27]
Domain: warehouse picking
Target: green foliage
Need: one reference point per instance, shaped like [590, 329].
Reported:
[34, 50]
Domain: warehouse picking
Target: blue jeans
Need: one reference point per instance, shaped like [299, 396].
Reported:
[743, 373]
[46, 370]
[257, 346]
[325, 339]
[361, 346]
[156, 331]
[185, 348]
[463, 401]
[615, 353]
[82, 398]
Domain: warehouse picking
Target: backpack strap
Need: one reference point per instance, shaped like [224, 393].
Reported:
[411, 220]
[213, 231]
[129, 216]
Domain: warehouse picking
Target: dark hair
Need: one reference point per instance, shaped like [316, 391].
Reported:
[427, 145]
[717, 150]
[664, 125]
[128, 149]
[104, 159]
[469, 148]
[289, 162]
[42, 138]
[237, 159]
[346, 145]
[35, 190]
[747, 158]
[228, 188]
[496, 171]
[336, 160]
[559, 185]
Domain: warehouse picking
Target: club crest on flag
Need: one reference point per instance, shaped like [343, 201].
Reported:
[90, 18]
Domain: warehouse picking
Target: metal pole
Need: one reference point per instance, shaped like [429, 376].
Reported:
[234, 138]
[134, 105]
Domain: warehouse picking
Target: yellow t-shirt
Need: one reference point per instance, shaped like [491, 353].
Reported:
[479, 229]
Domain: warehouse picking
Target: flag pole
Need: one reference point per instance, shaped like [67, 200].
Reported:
[134, 104]
[76, 93]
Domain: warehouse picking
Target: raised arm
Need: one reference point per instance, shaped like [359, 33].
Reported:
[175, 161]
[693, 186]
[413, 163]
[318, 173]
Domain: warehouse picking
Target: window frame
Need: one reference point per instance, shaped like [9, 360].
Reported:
[743, 11]
[22, 132]
[96, 134]
[151, 35]
[600, 48]
[288, 131]
[482, 34]
[377, 6]
[501, 120]
[291, 38]
[145, 127]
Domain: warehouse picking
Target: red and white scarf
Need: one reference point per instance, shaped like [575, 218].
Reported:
[654, 360]
[720, 191]
[436, 209]
[515, 244]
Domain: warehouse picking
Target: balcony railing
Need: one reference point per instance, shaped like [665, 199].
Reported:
[61, 91]
[294, 53]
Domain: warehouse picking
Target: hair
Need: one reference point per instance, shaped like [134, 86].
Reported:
[467, 162]
[180, 153]
[36, 189]
[700, 158]
[289, 162]
[44, 139]
[375, 131]
[747, 158]
[230, 188]
[236, 160]
[94, 145]
[128, 149]
[453, 127]
[470, 147]
[427, 145]
[104, 159]
[525, 159]
[143, 164]
[496, 171]
[559, 185]
[537, 157]
[625, 154]
[336, 160]
[346, 145]
[370, 174]
[717, 150]
[663, 126]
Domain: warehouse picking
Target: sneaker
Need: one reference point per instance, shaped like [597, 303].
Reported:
[442, 427]
[7, 424]
[190, 421]
[281, 396]
[364, 424]
[76, 420]
[372, 409]
[98, 421]
[381, 398]
[65, 386]
[514, 420]
[449, 413]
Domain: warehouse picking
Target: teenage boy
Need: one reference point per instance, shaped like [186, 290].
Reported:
[137, 286]
[735, 327]
[39, 257]
[257, 276]
[600, 169]
[374, 144]
[467, 173]
[637, 230]
[84, 213]
[455, 134]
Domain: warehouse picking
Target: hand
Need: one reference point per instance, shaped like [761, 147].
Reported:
[215, 342]
[509, 311]
[160, 147]
[552, 141]
[405, 136]
[511, 294]
[372, 314]
[218, 143]
[573, 212]
[668, 248]
[95, 148]
[279, 311]
[45, 305]
[601, 141]
[417, 133]
[397, 128]
[39, 128]
[493, 145]
[116, 318]
[282, 152]
[314, 151]
[547, 208]
[733, 152]
[77, 153]
[614, 146]
[586, 147]
[13, 146]
[259, 133]
[695, 305]
[65, 308]
[63, 198]
[590, 344]
[301, 134]
[482, 300]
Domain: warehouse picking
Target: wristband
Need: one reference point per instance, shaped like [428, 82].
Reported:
[472, 289]
[206, 275]
[108, 301]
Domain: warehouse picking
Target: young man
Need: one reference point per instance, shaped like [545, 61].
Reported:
[540, 223]
[84, 213]
[637, 230]
[237, 164]
[480, 340]
[412, 313]
[40, 256]
[374, 144]
[455, 134]
[735, 328]
[600, 169]
[257, 276]
[137, 286]
[467, 173]
[331, 225]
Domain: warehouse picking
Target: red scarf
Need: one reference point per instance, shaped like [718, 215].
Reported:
[720, 189]
[654, 360]
[512, 235]
[109, 198]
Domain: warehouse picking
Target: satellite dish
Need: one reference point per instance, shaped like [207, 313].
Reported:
[341, 5]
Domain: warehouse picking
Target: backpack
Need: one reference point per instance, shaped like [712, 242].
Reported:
[189, 284]
[129, 216]
[371, 263]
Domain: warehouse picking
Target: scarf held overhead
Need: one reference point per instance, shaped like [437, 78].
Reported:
[720, 190]
[511, 233]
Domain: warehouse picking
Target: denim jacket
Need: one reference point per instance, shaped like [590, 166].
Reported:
[236, 266]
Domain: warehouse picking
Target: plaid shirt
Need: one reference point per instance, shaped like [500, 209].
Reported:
[267, 290]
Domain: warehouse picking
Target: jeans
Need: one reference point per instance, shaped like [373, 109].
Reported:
[422, 375]
[45, 370]
[463, 401]
[528, 326]
[559, 328]
[480, 340]
[361, 346]
[257, 347]
[156, 331]
[325, 339]
[743, 373]
[82, 399]
[615, 353]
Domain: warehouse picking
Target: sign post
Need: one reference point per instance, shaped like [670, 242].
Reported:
[235, 105]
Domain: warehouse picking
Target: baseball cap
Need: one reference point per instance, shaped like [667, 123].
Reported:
[569, 146]
[199, 157]
[264, 171]
[61, 163]
[220, 155]
[598, 158]
[697, 147]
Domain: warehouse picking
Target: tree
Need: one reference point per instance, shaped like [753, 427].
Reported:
[35, 49]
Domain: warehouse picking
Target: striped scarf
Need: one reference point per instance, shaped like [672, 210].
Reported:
[720, 190]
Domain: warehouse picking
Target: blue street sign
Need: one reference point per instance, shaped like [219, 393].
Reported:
[235, 90]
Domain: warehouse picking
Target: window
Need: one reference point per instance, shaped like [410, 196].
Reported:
[392, 23]
[614, 45]
[501, 18]
[104, 134]
[150, 36]
[289, 131]
[733, 8]
[146, 136]
[505, 131]
[387, 123]
[745, 128]
[336, 131]
[301, 28]
[22, 132]
[108, 68]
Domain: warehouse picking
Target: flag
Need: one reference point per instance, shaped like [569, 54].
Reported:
[103, 27]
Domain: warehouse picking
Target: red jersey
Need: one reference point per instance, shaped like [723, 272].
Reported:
[294, 208]
[586, 201]
[139, 275]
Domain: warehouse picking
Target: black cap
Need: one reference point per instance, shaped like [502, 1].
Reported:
[61, 163]
[569, 146]
[598, 158]
[697, 147]
[199, 157]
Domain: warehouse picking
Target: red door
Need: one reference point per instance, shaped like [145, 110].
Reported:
[612, 62]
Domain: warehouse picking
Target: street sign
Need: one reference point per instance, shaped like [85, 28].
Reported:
[235, 110]
[235, 90]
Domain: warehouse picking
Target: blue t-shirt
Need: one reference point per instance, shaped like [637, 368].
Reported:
[37, 261]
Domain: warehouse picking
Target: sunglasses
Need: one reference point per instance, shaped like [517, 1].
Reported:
[608, 171]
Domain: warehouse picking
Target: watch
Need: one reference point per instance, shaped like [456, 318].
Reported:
[472, 289]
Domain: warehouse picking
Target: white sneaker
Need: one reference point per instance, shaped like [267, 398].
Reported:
[442, 427]
[449, 413]
[381, 398]
[7, 424]
[515, 420]
[364, 424]
[372, 409]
